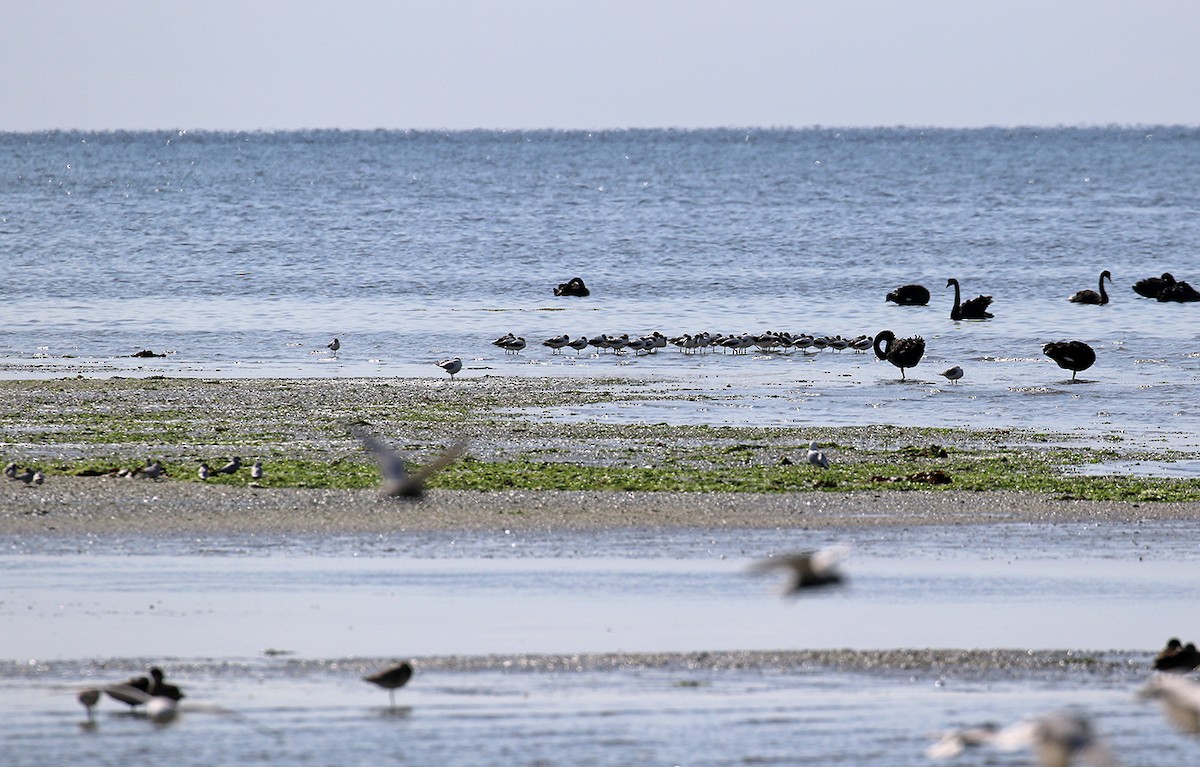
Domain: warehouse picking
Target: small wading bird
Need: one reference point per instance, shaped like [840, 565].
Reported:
[451, 366]
[391, 679]
[1092, 296]
[256, 471]
[909, 295]
[974, 309]
[397, 481]
[88, 699]
[815, 457]
[1075, 356]
[952, 374]
[334, 345]
[232, 467]
[905, 353]
[807, 569]
[204, 473]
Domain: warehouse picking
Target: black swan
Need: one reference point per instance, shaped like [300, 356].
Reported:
[909, 295]
[1070, 355]
[1178, 291]
[1152, 286]
[573, 287]
[904, 353]
[1091, 296]
[975, 309]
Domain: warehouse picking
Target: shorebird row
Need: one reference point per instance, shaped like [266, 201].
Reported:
[695, 343]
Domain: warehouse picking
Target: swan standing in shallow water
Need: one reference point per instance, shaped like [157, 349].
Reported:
[905, 353]
[975, 309]
[1075, 356]
[1092, 296]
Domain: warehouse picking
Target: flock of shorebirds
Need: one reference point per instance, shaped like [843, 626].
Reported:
[1075, 356]
[160, 701]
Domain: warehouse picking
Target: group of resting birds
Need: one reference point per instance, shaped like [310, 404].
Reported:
[161, 699]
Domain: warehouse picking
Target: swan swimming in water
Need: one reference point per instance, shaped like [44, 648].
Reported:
[1092, 296]
[974, 309]
[909, 295]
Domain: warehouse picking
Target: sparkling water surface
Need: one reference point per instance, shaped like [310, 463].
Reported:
[244, 254]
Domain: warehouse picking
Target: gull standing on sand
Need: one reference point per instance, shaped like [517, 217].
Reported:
[451, 366]
[952, 374]
[815, 457]
[397, 481]
[808, 569]
[391, 679]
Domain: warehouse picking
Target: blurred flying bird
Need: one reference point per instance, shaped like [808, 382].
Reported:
[808, 569]
[397, 481]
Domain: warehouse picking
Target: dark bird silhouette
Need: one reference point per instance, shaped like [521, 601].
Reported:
[232, 467]
[905, 353]
[1177, 657]
[161, 688]
[975, 309]
[391, 679]
[573, 287]
[1179, 292]
[806, 569]
[1075, 356]
[132, 693]
[88, 699]
[909, 295]
[397, 482]
[1092, 296]
[1152, 286]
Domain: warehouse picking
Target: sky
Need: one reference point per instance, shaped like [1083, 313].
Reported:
[595, 64]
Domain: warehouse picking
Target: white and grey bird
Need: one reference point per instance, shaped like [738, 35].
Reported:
[1180, 698]
[256, 471]
[954, 742]
[806, 569]
[10, 470]
[232, 467]
[334, 345]
[579, 344]
[952, 374]
[451, 366]
[557, 342]
[816, 457]
[397, 481]
[1057, 739]
[38, 477]
[204, 472]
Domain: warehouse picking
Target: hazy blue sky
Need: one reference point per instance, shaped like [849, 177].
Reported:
[277, 64]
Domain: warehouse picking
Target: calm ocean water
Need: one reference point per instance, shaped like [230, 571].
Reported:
[244, 254]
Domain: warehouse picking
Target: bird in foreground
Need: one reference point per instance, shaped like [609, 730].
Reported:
[132, 692]
[451, 366]
[1177, 657]
[807, 569]
[952, 374]
[397, 481]
[1057, 739]
[815, 457]
[909, 295]
[904, 353]
[1180, 698]
[391, 679]
[1092, 296]
[232, 467]
[334, 345]
[972, 309]
[1075, 356]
